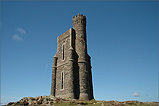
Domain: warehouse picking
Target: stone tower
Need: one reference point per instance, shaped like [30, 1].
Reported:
[71, 71]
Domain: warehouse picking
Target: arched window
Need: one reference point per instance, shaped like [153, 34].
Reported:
[63, 52]
[62, 80]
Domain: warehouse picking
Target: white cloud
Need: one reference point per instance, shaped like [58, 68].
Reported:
[136, 94]
[16, 37]
[21, 31]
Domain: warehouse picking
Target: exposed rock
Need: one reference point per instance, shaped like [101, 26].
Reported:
[51, 100]
[10, 103]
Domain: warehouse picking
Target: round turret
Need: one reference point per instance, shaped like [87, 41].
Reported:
[80, 19]
[79, 25]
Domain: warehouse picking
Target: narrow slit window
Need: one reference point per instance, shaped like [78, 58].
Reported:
[63, 55]
[62, 78]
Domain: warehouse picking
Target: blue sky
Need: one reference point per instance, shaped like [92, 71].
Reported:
[122, 42]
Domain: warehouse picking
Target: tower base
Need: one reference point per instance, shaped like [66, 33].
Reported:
[84, 96]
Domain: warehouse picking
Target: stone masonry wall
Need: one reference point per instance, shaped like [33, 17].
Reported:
[73, 68]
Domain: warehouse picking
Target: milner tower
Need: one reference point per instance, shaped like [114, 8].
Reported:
[71, 70]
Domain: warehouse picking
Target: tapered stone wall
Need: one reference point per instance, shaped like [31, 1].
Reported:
[71, 71]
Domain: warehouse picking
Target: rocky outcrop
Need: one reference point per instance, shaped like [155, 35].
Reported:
[55, 101]
[39, 100]
[45, 101]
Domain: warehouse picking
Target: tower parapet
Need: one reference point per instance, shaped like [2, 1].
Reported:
[79, 19]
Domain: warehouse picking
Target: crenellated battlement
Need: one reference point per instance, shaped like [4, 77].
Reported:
[79, 15]
[80, 18]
